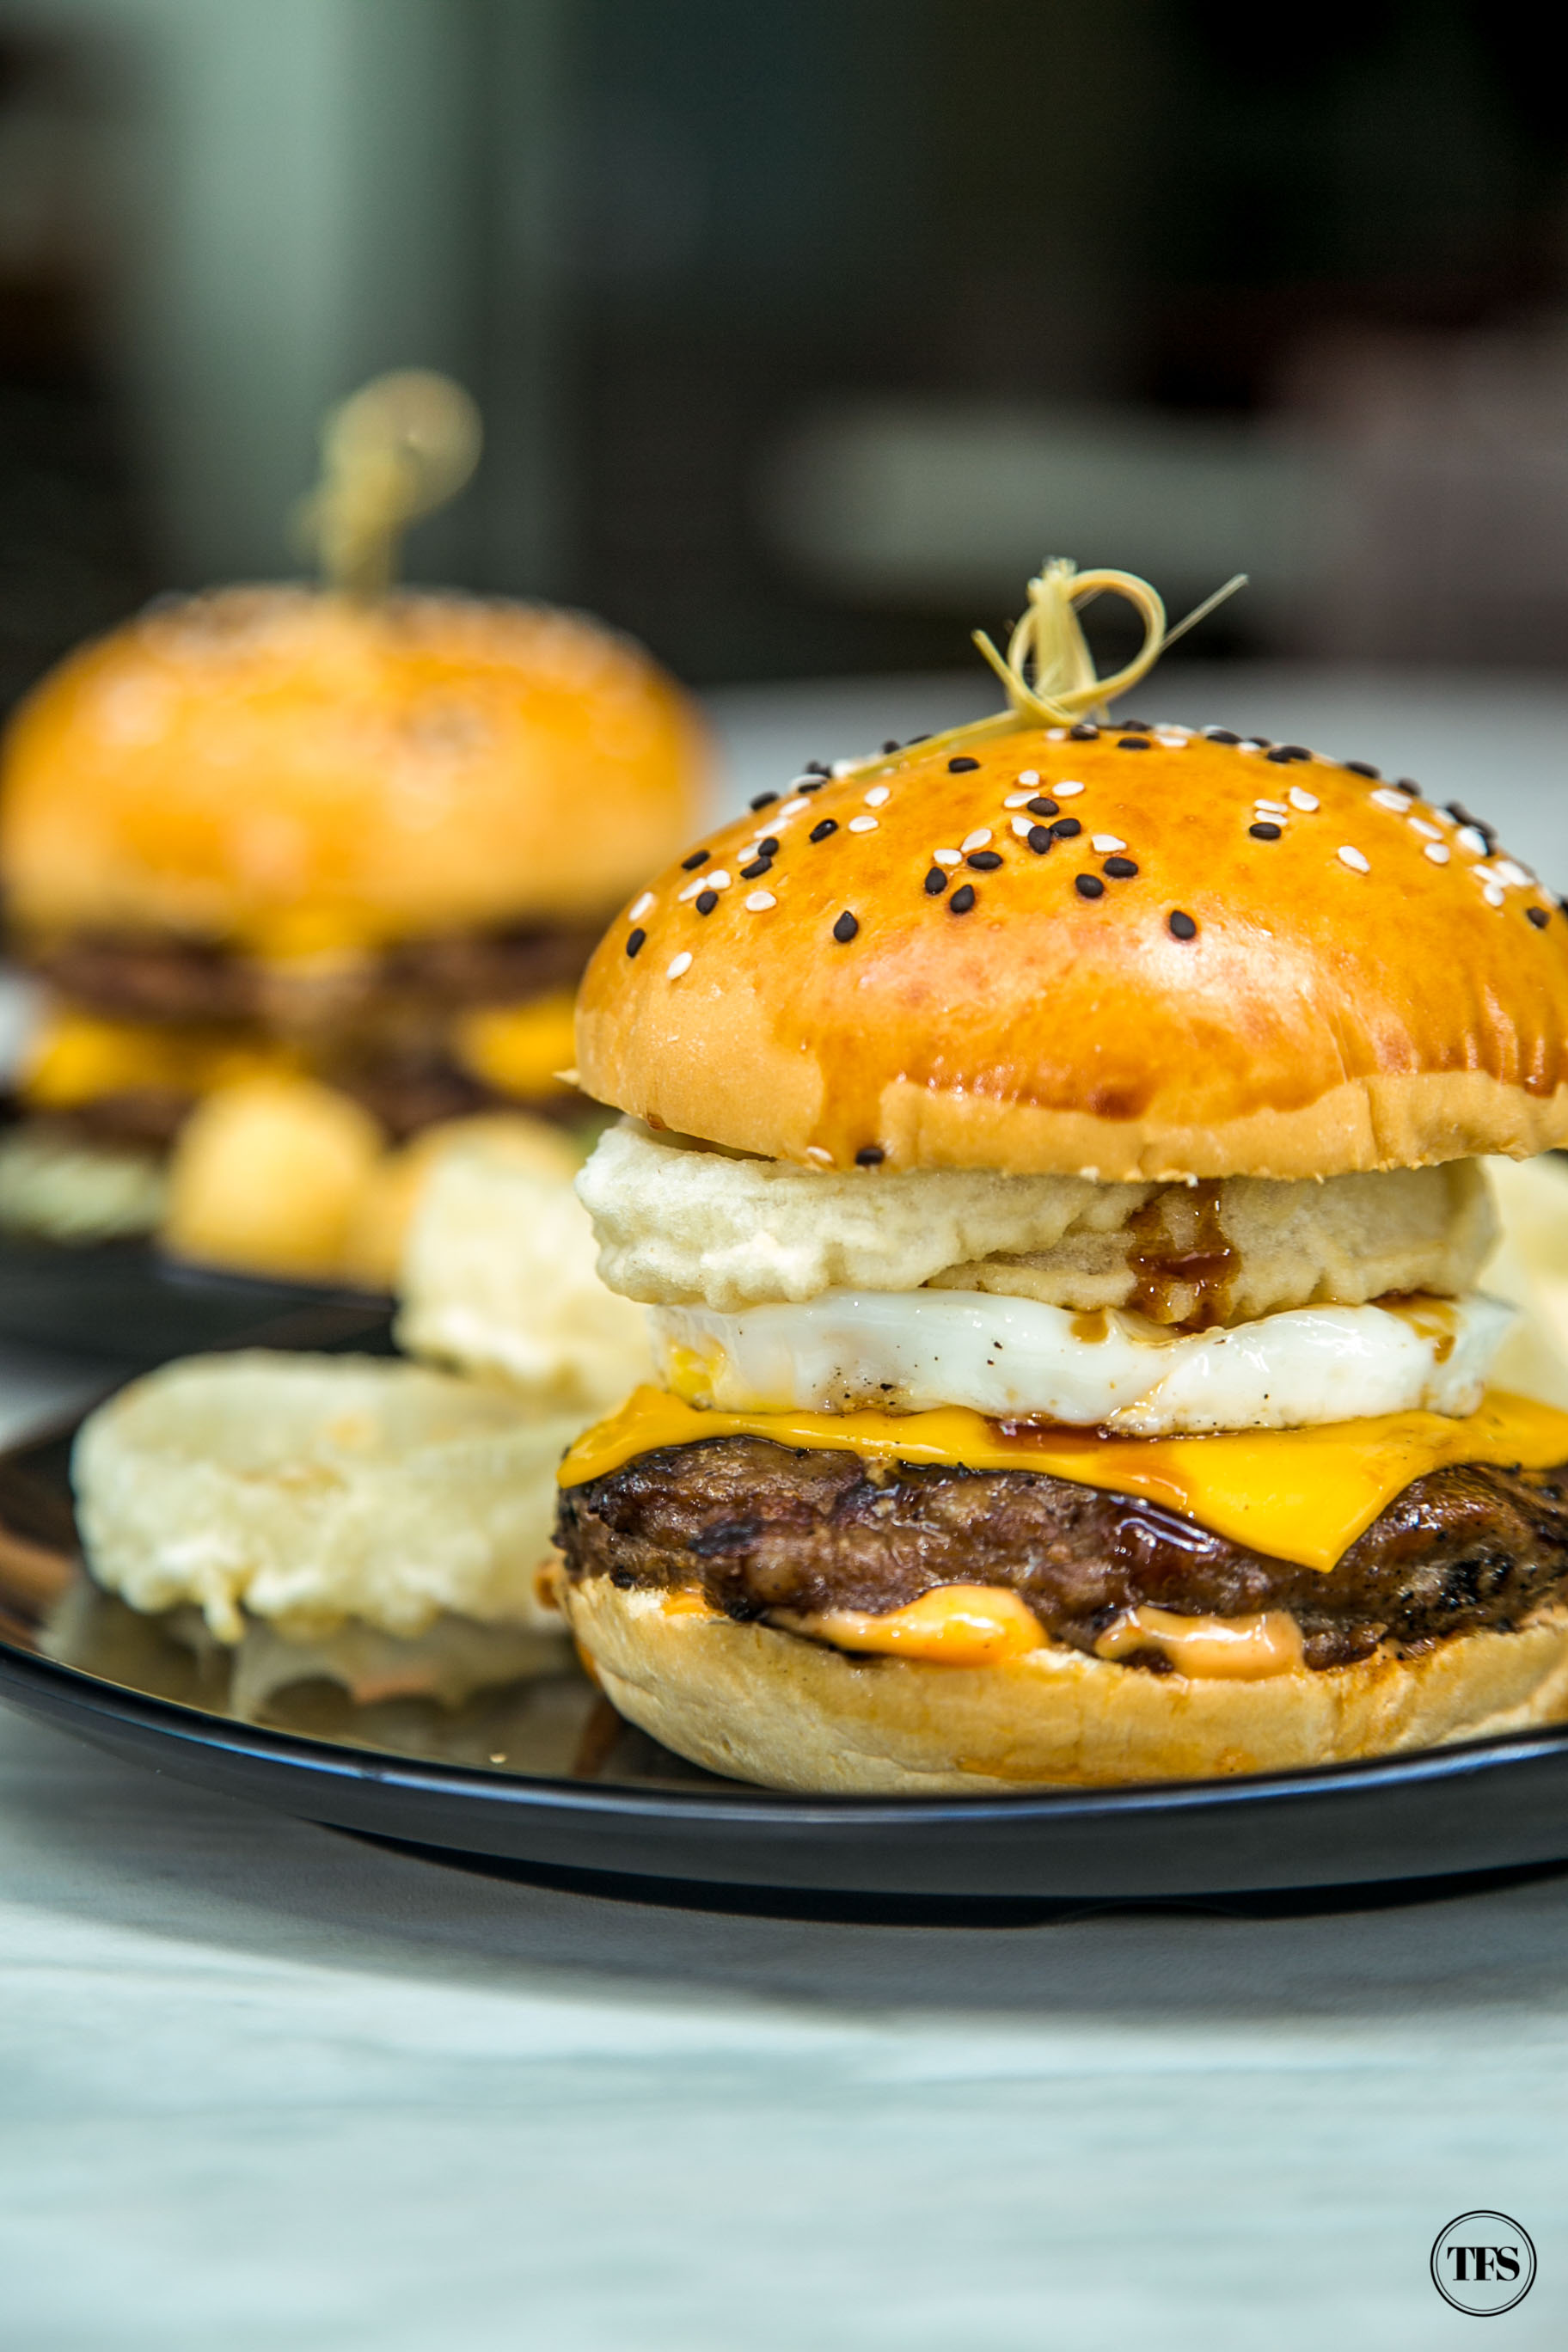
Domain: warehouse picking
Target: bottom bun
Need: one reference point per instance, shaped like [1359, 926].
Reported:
[793, 1714]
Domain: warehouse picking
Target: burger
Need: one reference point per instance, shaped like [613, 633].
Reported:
[348, 855]
[1050, 1162]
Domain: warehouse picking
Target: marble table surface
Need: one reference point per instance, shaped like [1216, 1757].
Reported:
[262, 2084]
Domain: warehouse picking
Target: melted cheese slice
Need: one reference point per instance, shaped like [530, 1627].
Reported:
[1300, 1495]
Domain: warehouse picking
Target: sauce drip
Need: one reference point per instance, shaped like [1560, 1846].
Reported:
[1432, 1318]
[1182, 1278]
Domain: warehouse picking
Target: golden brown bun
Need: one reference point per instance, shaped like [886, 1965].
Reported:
[292, 769]
[1324, 1018]
[792, 1714]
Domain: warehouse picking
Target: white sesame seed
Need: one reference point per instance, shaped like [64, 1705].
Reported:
[1055, 734]
[1065, 792]
[1384, 798]
[948, 857]
[1301, 799]
[1017, 800]
[862, 825]
[759, 902]
[1250, 746]
[1164, 727]
[793, 808]
[823, 1159]
[1350, 856]
[717, 880]
[1516, 877]
[1469, 838]
[810, 778]
[1271, 808]
[1171, 742]
[1493, 893]
[845, 767]
[877, 795]
[976, 840]
[1427, 832]
[677, 964]
[1102, 842]
[643, 906]
[1023, 826]
[1032, 775]
[1437, 851]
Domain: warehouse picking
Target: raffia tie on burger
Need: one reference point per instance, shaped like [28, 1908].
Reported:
[1050, 1166]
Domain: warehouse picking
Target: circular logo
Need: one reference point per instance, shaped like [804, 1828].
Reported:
[1483, 2263]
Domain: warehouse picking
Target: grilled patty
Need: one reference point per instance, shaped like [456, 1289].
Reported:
[758, 1527]
[172, 980]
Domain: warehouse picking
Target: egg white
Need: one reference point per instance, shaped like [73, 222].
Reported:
[1013, 1357]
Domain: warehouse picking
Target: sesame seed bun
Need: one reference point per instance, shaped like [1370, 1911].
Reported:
[790, 1713]
[1147, 975]
[279, 768]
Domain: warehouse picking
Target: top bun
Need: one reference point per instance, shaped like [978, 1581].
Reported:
[286, 770]
[1232, 959]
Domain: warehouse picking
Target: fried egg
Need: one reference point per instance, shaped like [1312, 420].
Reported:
[1015, 1358]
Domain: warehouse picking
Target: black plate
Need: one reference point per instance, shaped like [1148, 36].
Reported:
[126, 1300]
[543, 1774]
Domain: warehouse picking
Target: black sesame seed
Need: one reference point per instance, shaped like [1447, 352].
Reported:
[768, 846]
[1538, 916]
[1066, 828]
[1403, 784]
[1134, 725]
[891, 746]
[1220, 735]
[962, 765]
[1039, 838]
[1182, 927]
[764, 800]
[1360, 768]
[1283, 752]
[635, 940]
[820, 832]
[919, 739]
[1042, 806]
[698, 857]
[984, 861]
[817, 768]
[1088, 886]
[758, 866]
[1264, 832]
[1121, 869]
[845, 929]
[1134, 743]
[871, 1155]
[706, 902]
[1083, 733]
[936, 882]
[816, 787]
[961, 899]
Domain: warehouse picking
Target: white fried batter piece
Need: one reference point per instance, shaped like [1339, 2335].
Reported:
[312, 1492]
[680, 1224]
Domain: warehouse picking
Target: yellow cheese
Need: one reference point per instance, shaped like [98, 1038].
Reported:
[79, 1058]
[518, 1049]
[1300, 1495]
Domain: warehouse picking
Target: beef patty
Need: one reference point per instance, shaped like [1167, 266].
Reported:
[128, 979]
[760, 1527]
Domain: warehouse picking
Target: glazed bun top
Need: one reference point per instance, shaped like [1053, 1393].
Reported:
[290, 770]
[1117, 951]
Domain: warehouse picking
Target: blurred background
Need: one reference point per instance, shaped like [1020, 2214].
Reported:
[804, 333]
